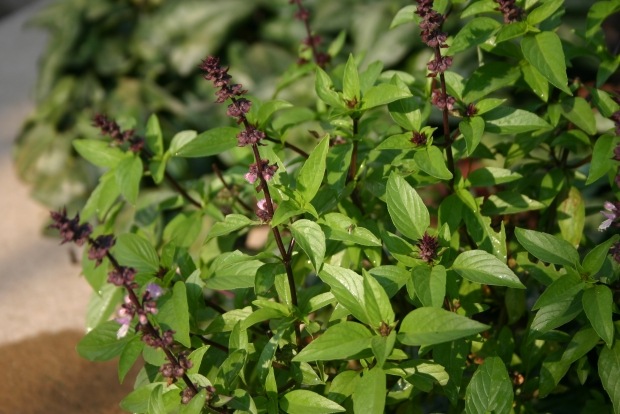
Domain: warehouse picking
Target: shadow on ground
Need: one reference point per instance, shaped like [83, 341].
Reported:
[45, 374]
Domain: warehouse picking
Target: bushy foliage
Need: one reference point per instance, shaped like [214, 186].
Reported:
[439, 237]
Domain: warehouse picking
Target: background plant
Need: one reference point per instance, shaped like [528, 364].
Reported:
[435, 243]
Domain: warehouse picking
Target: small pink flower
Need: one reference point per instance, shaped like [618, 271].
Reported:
[611, 213]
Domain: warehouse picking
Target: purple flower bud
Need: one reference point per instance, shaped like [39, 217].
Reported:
[70, 229]
[100, 247]
[153, 290]
[428, 247]
[262, 212]
[249, 136]
[418, 138]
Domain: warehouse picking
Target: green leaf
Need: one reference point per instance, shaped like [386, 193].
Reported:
[571, 217]
[154, 137]
[267, 109]
[133, 251]
[489, 78]
[351, 81]
[308, 402]
[174, 313]
[370, 392]
[183, 229]
[596, 15]
[490, 176]
[543, 11]
[382, 347]
[232, 222]
[407, 113]
[383, 94]
[102, 198]
[510, 31]
[594, 260]
[345, 340]
[130, 354]
[557, 314]
[604, 102]
[535, 80]
[453, 356]
[406, 208]
[325, 89]
[404, 15]
[506, 120]
[431, 160]
[490, 389]
[377, 303]
[128, 175]
[429, 326]
[211, 142]
[472, 130]
[544, 52]
[98, 152]
[232, 271]
[509, 202]
[102, 303]
[579, 112]
[565, 287]
[557, 364]
[482, 267]
[343, 228]
[312, 172]
[348, 287]
[602, 161]
[180, 140]
[430, 284]
[598, 306]
[311, 239]
[101, 344]
[609, 371]
[548, 248]
[475, 32]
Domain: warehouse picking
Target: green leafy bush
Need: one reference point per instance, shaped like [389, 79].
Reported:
[421, 239]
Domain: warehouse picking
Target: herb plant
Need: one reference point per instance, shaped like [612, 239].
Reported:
[440, 237]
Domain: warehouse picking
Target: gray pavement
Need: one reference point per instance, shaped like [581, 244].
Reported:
[41, 291]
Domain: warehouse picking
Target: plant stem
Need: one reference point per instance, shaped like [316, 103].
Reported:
[446, 123]
[355, 197]
[289, 146]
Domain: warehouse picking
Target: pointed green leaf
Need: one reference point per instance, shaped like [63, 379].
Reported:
[128, 175]
[472, 130]
[557, 314]
[571, 217]
[325, 89]
[351, 81]
[475, 32]
[429, 326]
[133, 251]
[506, 120]
[509, 202]
[594, 260]
[406, 208]
[404, 15]
[174, 314]
[180, 140]
[377, 302]
[195, 405]
[407, 113]
[232, 222]
[348, 287]
[308, 402]
[564, 287]
[609, 371]
[383, 94]
[490, 389]
[268, 108]
[535, 80]
[370, 392]
[312, 172]
[154, 137]
[211, 142]
[382, 346]
[311, 239]
[98, 152]
[482, 267]
[602, 162]
[430, 284]
[544, 52]
[579, 112]
[344, 340]
[102, 344]
[598, 306]
[489, 78]
[548, 248]
[431, 161]
[490, 176]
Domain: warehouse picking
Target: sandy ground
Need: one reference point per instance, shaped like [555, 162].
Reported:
[42, 297]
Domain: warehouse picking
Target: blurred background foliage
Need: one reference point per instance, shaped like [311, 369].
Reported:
[131, 58]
